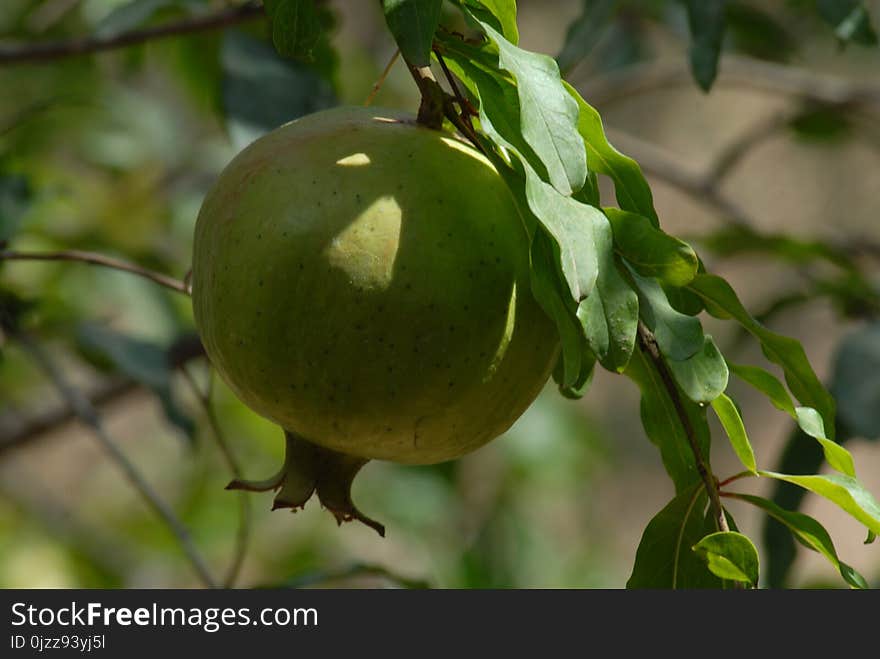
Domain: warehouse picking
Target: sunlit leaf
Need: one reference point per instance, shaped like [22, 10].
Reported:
[845, 491]
[733, 424]
[767, 383]
[730, 555]
[702, 376]
[809, 533]
[650, 251]
[838, 457]
[548, 114]
[782, 350]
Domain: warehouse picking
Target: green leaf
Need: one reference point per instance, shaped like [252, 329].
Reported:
[782, 350]
[871, 538]
[552, 295]
[630, 186]
[707, 22]
[678, 335]
[296, 27]
[578, 389]
[610, 315]
[663, 425]
[650, 251]
[143, 362]
[703, 376]
[16, 196]
[571, 225]
[842, 490]
[500, 13]
[809, 533]
[838, 457]
[759, 33]
[261, 90]
[850, 19]
[730, 418]
[548, 114]
[767, 383]
[856, 381]
[413, 24]
[664, 558]
[730, 555]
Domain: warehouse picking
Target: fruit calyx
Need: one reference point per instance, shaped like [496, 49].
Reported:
[309, 469]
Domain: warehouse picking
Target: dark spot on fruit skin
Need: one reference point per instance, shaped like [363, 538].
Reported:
[293, 387]
[451, 384]
[260, 283]
[388, 429]
[259, 236]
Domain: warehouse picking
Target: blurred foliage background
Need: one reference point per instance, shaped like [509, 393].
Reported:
[774, 175]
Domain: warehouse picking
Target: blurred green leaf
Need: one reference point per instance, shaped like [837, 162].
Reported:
[856, 381]
[809, 533]
[650, 251]
[702, 376]
[850, 19]
[16, 196]
[296, 27]
[579, 387]
[664, 558]
[413, 24]
[631, 187]
[842, 490]
[132, 15]
[824, 123]
[663, 426]
[730, 418]
[261, 91]
[142, 361]
[722, 301]
[584, 32]
[707, 21]
[730, 555]
[678, 335]
[758, 33]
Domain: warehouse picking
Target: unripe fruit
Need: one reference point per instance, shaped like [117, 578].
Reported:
[363, 282]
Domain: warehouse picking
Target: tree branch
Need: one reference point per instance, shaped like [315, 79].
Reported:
[648, 344]
[53, 50]
[736, 72]
[102, 260]
[90, 417]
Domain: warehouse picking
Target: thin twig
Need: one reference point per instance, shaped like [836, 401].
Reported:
[15, 434]
[102, 260]
[90, 417]
[736, 72]
[381, 81]
[649, 346]
[53, 50]
[244, 525]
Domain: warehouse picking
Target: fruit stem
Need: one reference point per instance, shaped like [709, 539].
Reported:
[311, 469]
[432, 107]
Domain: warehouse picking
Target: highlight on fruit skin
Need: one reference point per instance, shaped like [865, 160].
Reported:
[364, 282]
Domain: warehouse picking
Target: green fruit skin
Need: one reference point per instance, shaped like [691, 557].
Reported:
[364, 282]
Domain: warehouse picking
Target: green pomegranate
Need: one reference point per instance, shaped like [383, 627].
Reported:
[363, 282]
